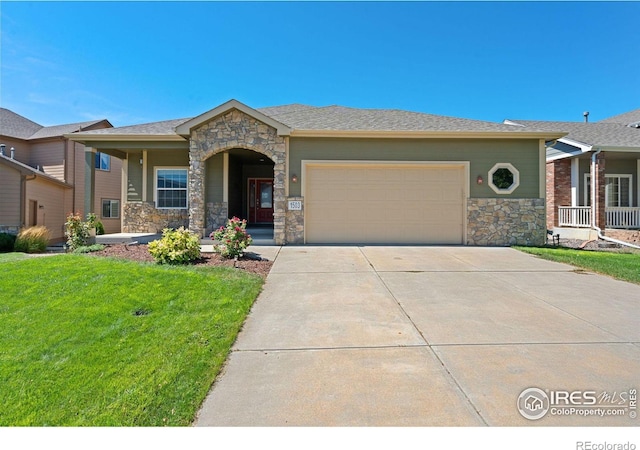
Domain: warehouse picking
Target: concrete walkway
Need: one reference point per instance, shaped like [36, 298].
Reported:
[422, 336]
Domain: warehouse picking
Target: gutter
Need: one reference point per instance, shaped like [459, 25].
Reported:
[594, 207]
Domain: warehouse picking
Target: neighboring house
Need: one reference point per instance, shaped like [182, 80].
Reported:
[44, 176]
[609, 151]
[334, 175]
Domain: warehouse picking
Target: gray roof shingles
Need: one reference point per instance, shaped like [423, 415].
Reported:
[340, 118]
[16, 126]
[625, 118]
[592, 134]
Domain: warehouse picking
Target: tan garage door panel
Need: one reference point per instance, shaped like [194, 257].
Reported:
[384, 204]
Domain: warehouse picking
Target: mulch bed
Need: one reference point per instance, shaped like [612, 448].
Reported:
[140, 252]
[595, 245]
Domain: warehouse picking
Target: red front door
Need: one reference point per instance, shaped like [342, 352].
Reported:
[260, 200]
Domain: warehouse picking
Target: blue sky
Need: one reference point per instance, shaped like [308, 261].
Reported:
[136, 62]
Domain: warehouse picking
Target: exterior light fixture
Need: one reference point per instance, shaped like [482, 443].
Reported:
[294, 178]
[479, 180]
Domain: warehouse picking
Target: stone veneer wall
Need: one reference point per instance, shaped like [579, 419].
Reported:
[497, 221]
[235, 129]
[217, 215]
[143, 217]
[294, 231]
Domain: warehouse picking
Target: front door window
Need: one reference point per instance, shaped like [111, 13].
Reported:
[260, 200]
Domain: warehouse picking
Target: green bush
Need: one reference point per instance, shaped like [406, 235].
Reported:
[7, 242]
[93, 222]
[233, 239]
[32, 240]
[175, 247]
[89, 248]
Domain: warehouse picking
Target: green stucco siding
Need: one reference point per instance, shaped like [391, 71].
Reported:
[134, 183]
[213, 186]
[482, 155]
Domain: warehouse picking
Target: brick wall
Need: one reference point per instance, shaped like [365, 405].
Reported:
[558, 189]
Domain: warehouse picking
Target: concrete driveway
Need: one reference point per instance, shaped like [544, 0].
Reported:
[430, 336]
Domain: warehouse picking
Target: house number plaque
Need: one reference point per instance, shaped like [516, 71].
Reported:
[295, 205]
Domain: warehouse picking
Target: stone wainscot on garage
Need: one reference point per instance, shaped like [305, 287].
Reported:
[323, 175]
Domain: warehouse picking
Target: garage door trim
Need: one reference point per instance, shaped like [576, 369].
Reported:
[465, 165]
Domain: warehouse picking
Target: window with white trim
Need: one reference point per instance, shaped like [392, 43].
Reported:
[171, 188]
[103, 161]
[110, 209]
[617, 190]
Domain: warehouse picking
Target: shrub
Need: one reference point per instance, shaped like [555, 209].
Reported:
[93, 222]
[175, 247]
[233, 239]
[7, 242]
[77, 231]
[89, 248]
[32, 240]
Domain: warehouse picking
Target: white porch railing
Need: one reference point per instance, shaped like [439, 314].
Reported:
[623, 217]
[580, 217]
[574, 216]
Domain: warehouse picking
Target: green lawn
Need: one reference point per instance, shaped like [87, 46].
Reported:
[623, 266]
[88, 341]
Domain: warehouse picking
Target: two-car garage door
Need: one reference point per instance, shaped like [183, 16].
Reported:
[384, 203]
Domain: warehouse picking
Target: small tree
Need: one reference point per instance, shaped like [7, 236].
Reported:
[76, 231]
[233, 239]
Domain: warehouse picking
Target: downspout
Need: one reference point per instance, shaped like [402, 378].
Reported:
[594, 206]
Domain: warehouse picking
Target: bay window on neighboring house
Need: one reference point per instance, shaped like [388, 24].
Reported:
[617, 191]
[171, 188]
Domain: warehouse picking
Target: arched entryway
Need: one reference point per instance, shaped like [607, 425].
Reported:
[250, 186]
[238, 141]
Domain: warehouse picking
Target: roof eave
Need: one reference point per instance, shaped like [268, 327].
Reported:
[84, 137]
[427, 134]
[28, 170]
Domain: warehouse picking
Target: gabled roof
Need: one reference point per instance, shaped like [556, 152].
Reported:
[589, 134]
[305, 120]
[631, 118]
[185, 128]
[16, 126]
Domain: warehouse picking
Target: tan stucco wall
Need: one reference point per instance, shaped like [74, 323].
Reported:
[53, 201]
[10, 198]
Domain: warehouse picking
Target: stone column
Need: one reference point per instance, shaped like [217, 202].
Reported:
[196, 189]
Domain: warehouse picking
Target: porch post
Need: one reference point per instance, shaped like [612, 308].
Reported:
[575, 180]
[89, 180]
[598, 191]
[196, 189]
